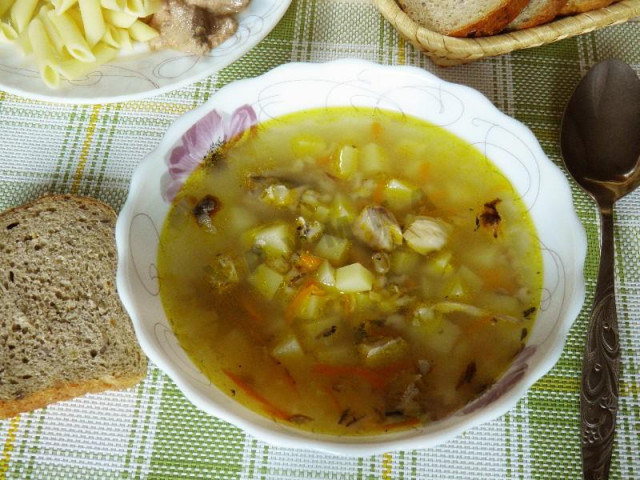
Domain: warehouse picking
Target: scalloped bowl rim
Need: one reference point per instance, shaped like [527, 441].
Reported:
[271, 432]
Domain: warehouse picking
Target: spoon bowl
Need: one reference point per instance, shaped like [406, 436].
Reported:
[600, 137]
[600, 142]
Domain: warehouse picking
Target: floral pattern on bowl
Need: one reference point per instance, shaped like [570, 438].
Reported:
[206, 136]
[354, 83]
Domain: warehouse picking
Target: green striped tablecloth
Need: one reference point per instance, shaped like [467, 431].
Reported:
[153, 432]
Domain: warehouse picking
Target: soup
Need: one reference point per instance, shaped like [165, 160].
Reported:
[350, 272]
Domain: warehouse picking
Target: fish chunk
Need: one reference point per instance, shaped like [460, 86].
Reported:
[377, 227]
[425, 235]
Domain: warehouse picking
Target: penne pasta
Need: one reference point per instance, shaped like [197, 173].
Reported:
[53, 34]
[111, 36]
[7, 33]
[62, 6]
[92, 20]
[142, 32]
[152, 6]
[72, 38]
[119, 19]
[21, 13]
[115, 5]
[5, 5]
[74, 14]
[45, 57]
[24, 43]
[74, 69]
[135, 8]
[123, 38]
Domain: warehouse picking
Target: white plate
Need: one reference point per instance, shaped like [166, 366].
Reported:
[142, 74]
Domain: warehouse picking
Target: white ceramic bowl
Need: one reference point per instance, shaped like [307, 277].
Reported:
[292, 87]
[142, 73]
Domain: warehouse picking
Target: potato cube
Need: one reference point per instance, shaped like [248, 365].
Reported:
[312, 307]
[373, 158]
[444, 339]
[287, 349]
[343, 211]
[400, 195]
[346, 161]
[321, 331]
[440, 265]
[326, 274]
[354, 278]
[266, 281]
[334, 249]
[403, 261]
[427, 320]
[274, 240]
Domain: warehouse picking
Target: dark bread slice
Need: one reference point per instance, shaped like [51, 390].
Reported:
[537, 13]
[463, 18]
[63, 330]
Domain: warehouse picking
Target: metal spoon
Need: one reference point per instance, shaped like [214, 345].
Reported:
[600, 141]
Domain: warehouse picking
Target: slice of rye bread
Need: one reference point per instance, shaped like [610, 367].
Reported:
[463, 18]
[63, 330]
[580, 6]
[537, 13]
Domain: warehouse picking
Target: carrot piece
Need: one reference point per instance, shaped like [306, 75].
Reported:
[268, 407]
[310, 288]
[336, 403]
[373, 378]
[323, 160]
[376, 129]
[347, 303]
[309, 263]
[251, 310]
[423, 172]
[376, 196]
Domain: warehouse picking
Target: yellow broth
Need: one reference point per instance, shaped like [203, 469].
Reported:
[285, 279]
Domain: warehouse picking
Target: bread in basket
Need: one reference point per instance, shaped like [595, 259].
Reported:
[448, 50]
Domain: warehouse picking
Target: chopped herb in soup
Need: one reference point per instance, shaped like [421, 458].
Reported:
[350, 272]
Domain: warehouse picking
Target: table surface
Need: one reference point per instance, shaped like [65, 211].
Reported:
[153, 432]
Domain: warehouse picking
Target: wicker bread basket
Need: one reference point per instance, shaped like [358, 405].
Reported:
[445, 50]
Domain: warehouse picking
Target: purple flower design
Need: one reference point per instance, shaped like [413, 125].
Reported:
[205, 136]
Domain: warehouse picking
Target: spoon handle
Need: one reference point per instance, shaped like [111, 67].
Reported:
[599, 392]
